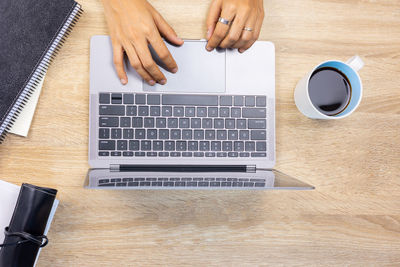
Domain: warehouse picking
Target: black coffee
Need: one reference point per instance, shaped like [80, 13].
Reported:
[329, 90]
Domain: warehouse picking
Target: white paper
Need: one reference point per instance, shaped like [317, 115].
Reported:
[23, 123]
[8, 198]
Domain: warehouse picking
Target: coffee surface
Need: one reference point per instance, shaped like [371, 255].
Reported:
[329, 90]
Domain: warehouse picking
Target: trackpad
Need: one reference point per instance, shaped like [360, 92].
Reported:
[199, 71]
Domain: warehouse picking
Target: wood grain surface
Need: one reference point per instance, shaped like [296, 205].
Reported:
[353, 216]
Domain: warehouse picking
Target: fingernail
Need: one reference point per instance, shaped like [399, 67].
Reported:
[209, 49]
[179, 39]
[163, 81]
[174, 70]
[151, 82]
[241, 50]
[123, 81]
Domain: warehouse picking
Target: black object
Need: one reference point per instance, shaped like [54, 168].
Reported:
[32, 31]
[24, 236]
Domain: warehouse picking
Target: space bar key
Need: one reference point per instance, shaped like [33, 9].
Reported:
[192, 100]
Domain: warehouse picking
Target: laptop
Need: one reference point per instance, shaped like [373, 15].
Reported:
[212, 126]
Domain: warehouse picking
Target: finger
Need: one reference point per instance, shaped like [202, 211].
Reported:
[148, 63]
[246, 36]
[163, 53]
[236, 29]
[212, 18]
[221, 29]
[118, 59]
[256, 34]
[137, 65]
[166, 31]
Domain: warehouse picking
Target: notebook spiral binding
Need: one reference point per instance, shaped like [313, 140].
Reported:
[40, 71]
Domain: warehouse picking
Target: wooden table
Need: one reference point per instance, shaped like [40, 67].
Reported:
[353, 216]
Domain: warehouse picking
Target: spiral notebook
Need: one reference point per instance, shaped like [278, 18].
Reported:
[32, 32]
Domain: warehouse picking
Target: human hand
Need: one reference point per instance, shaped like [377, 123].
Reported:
[245, 17]
[134, 24]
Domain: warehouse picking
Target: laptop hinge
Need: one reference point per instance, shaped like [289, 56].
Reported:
[181, 168]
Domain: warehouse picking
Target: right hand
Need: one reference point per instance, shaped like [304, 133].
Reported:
[134, 24]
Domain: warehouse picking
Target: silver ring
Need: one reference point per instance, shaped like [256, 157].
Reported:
[224, 21]
[248, 29]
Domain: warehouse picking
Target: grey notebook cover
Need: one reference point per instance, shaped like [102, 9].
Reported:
[31, 33]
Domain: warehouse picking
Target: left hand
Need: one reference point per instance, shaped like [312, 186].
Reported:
[241, 14]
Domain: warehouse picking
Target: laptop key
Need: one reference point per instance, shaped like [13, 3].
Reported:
[241, 124]
[233, 154]
[131, 111]
[108, 121]
[189, 112]
[258, 134]
[120, 184]
[216, 184]
[169, 145]
[250, 101]
[248, 184]
[220, 179]
[206, 123]
[155, 111]
[104, 181]
[163, 154]
[261, 146]
[137, 122]
[212, 112]
[144, 183]
[140, 133]
[184, 123]
[204, 146]
[115, 154]
[175, 154]
[198, 179]
[236, 112]
[175, 134]
[244, 135]
[117, 110]
[216, 146]
[203, 184]
[259, 155]
[140, 154]
[190, 100]
[237, 184]
[230, 123]
[244, 154]
[259, 184]
[201, 112]
[195, 123]
[151, 133]
[158, 145]
[250, 146]
[107, 185]
[143, 111]
[226, 184]
[224, 112]
[257, 123]
[187, 154]
[226, 146]
[198, 134]
[210, 154]
[140, 179]
[106, 144]
[193, 146]
[104, 133]
[116, 98]
[219, 123]
[172, 123]
[179, 112]
[254, 113]
[127, 179]
[222, 135]
[181, 145]
[127, 133]
[104, 98]
[238, 146]
[192, 184]
[180, 184]
[232, 135]
[127, 154]
[238, 101]
[116, 133]
[133, 184]
[145, 145]
[125, 122]
[122, 145]
[104, 153]
[151, 154]
[261, 101]
[225, 100]
[163, 134]
[153, 99]
[168, 184]
[161, 122]
[187, 134]
[134, 145]
[167, 111]
[222, 154]
[198, 154]
[128, 99]
[140, 99]
[210, 134]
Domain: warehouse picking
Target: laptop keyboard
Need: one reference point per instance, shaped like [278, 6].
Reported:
[179, 125]
[181, 182]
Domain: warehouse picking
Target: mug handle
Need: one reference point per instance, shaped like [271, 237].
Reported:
[355, 62]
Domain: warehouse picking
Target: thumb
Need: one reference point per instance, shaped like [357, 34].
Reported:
[213, 15]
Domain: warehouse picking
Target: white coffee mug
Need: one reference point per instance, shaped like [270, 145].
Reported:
[350, 69]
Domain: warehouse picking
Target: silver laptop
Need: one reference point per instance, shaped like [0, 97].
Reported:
[212, 126]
